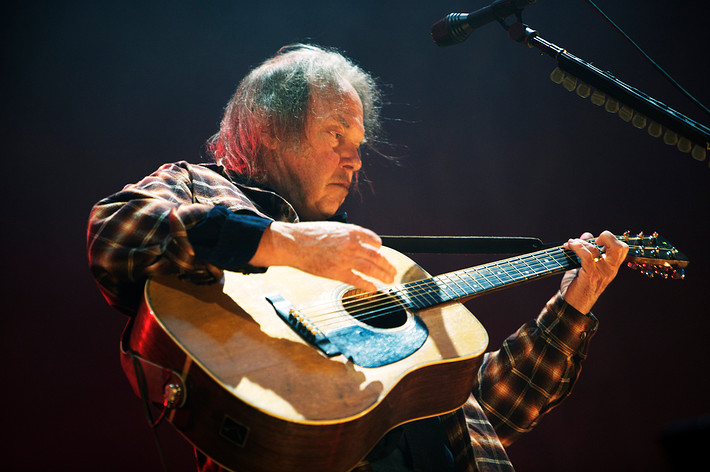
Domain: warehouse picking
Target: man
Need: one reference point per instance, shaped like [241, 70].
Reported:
[287, 154]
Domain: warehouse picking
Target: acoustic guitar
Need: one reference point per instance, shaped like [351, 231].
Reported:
[286, 371]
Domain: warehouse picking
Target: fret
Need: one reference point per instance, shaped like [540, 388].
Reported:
[528, 268]
[476, 280]
[548, 262]
[466, 283]
[417, 294]
[514, 271]
[453, 286]
[519, 270]
[571, 260]
[502, 273]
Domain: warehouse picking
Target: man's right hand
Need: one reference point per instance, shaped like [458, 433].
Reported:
[329, 249]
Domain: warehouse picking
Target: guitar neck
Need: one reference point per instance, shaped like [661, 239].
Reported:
[467, 283]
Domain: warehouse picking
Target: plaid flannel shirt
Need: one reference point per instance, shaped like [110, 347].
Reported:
[142, 231]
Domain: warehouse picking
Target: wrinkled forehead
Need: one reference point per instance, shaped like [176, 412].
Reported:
[343, 104]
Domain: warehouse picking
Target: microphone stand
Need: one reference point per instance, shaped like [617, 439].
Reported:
[631, 104]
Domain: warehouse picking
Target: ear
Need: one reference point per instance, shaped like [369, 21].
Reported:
[268, 138]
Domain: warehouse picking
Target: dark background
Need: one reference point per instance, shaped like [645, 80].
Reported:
[98, 94]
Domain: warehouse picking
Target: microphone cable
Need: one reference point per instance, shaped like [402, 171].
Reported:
[647, 57]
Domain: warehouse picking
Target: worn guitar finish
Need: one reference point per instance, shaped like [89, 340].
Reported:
[289, 371]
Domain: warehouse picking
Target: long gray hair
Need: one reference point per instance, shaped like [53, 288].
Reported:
[274, 97]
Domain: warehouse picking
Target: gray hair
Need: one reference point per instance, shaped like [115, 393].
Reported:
[275, 97]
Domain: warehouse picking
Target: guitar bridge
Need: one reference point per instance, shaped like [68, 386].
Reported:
[302, 325]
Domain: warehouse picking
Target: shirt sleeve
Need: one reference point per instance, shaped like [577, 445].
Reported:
[535, 368]
[226, 239]
[141, 231]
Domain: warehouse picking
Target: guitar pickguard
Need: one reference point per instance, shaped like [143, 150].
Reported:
[363, 345]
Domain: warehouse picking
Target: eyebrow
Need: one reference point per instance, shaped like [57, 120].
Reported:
[340, 118]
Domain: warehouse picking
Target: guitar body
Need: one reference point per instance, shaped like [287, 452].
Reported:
[259, 397]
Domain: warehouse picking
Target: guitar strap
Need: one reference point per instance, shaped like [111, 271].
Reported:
[463, 244]
[428, 446]
[149, 380]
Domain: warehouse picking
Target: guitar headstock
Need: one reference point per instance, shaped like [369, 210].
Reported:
[652, 255]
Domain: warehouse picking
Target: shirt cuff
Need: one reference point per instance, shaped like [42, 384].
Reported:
[567, 328]
[228, 240]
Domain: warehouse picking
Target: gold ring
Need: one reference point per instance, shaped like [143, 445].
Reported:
[597, 259]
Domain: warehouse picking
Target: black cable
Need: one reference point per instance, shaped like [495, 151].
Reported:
[646, 56]
[143, 388]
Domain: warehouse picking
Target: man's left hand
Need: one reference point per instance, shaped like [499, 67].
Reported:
[581, 287]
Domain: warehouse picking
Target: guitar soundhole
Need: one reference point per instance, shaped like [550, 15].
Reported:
[378, 309]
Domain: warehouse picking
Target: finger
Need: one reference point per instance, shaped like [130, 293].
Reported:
[374, 264]
[365, 236]
[587, 253]
[356, 281]
[382, 270]
[615, 249]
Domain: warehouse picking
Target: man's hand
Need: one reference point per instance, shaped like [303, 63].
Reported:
[581, 287]
[328, 249]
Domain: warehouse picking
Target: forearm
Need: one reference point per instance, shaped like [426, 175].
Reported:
[328, 249]
[535, 369]
[142, 231]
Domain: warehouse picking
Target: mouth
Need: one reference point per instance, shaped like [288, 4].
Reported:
[345, 185]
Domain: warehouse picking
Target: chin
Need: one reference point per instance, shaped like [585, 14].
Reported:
[325, 213]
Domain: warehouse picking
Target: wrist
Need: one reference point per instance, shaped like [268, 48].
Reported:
[273, 248]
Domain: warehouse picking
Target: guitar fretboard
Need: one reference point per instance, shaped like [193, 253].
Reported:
[486, 278]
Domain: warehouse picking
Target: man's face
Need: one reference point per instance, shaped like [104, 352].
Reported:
[316, 176]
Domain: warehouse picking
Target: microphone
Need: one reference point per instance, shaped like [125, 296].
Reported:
[456, 27]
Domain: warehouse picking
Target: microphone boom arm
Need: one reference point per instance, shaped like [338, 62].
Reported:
[687, 134]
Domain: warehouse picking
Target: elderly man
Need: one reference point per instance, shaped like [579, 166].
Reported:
[286, 156]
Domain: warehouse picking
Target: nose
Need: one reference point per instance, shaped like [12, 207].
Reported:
[350, 158]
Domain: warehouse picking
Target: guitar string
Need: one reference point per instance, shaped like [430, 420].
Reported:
[470, 278]
[390, 305]
[386, 302]
[423, 291]
[423, 285]
[428, 289]
[473, 279]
